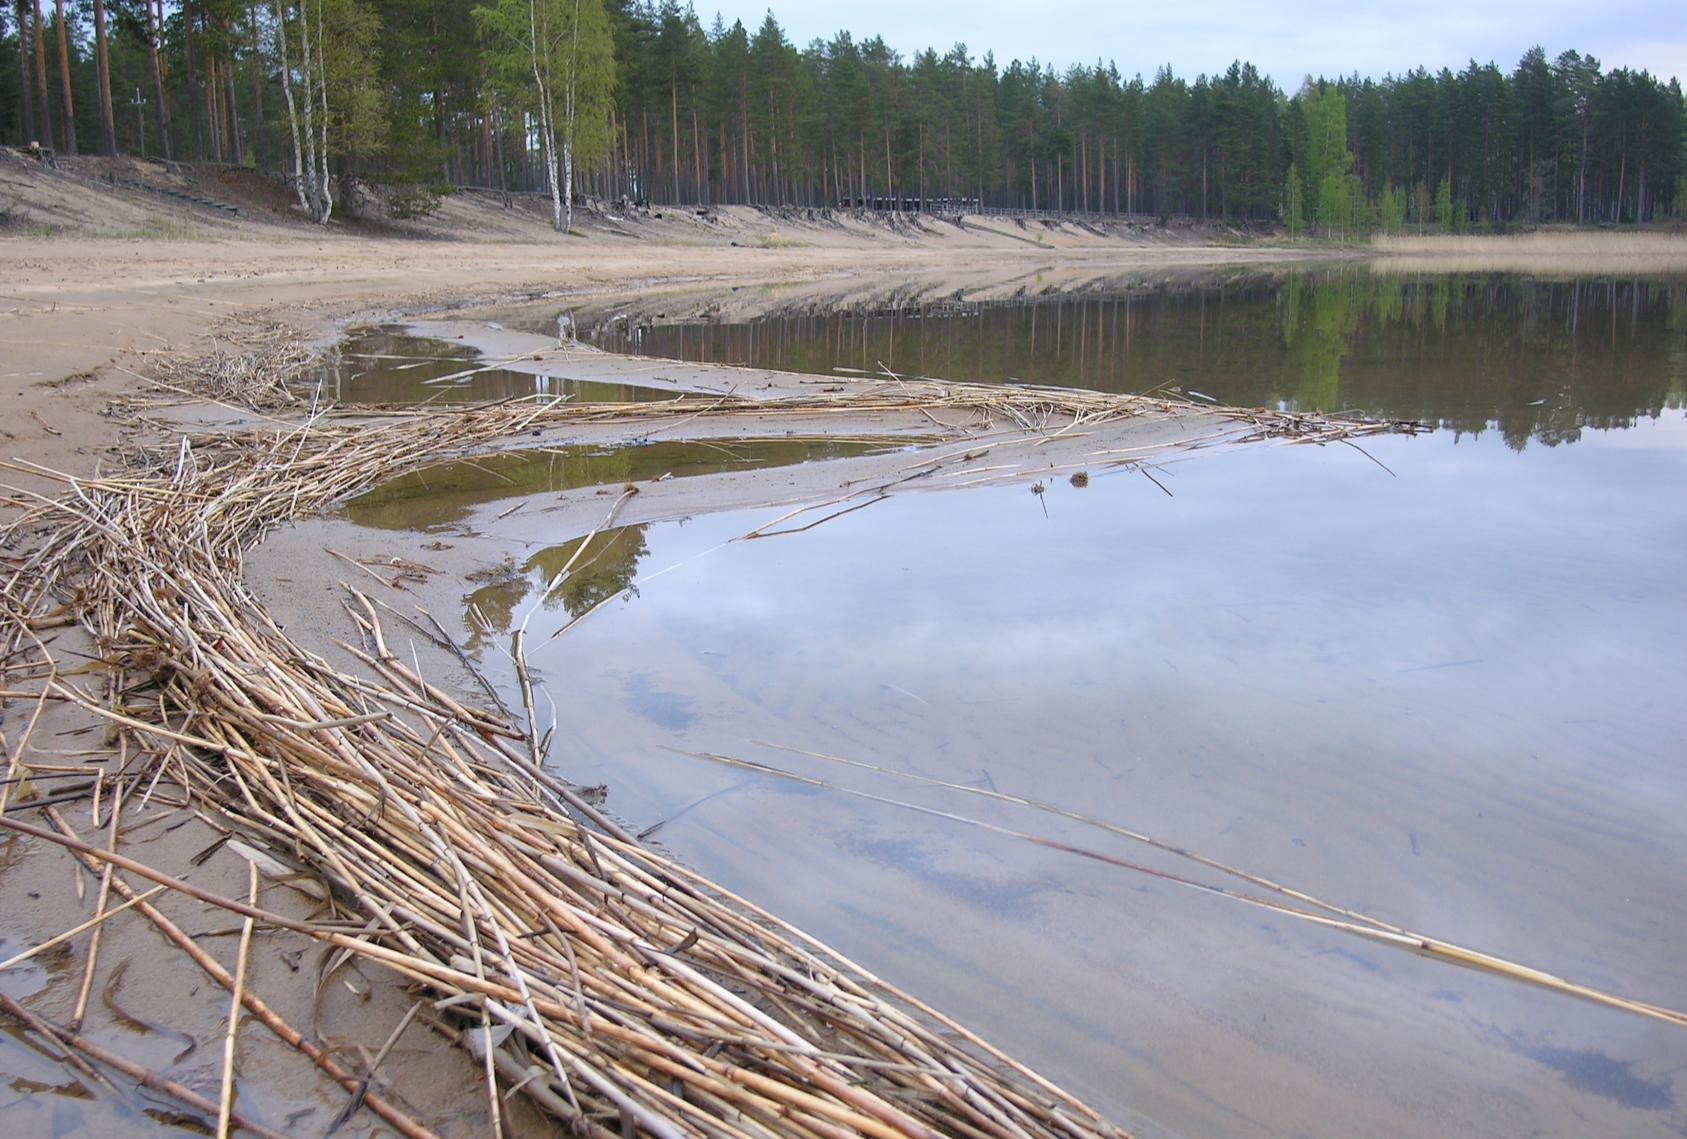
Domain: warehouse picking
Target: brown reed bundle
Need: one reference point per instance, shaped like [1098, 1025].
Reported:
[260, 365]
[616, 989]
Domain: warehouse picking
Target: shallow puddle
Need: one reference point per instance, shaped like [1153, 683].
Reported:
[388, 365]
[40, 1095]
[1432, 681]
[443, 494]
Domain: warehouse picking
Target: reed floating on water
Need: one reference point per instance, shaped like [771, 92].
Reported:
[620, 992]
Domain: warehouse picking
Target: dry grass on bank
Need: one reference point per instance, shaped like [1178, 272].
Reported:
[618, 991]
[1556, 251]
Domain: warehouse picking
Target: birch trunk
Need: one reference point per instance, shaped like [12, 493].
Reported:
[568, 125]
[313, 193]
[325, 187]
[292, 107]
[547, 137]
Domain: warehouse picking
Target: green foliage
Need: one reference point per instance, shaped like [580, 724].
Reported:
[1391, 209]
[1334, 204]
[574, 46]
[1324, 156]
[412, 200]
[1294, 203]
[664, 106]
[357, 105]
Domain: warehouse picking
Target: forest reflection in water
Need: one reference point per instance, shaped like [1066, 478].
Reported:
[385, 364]
[1442, 698]
[1535, 359]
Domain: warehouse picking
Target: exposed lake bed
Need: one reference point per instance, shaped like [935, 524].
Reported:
[1431, 693]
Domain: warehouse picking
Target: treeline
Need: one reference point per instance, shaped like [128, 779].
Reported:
[625, 99]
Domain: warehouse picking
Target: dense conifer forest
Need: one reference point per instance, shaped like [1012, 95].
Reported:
[626, 100]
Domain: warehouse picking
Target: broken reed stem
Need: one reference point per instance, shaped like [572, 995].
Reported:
[89, 966]
[1365, 927]
[94, 922]
[236, 995]
[45, 1031]
[1079, 817]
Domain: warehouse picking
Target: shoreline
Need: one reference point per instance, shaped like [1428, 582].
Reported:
[64, 426]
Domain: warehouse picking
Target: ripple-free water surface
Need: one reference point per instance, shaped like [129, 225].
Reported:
[1537, 358]
[1447, 698]
[385, 364]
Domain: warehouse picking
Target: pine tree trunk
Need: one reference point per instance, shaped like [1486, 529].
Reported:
[64, 81]
[673, 138]
[1100, 171]
[102, 75]
[213, 109]
[194, 118]
[260, 141]
[43, 107]
[1581, 180]
[236, 151]
[155, 36]
[922, 134]
[697, 148]
[26, 122]
[890, 188]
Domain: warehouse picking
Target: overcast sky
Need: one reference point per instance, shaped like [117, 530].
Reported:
[1286, 41]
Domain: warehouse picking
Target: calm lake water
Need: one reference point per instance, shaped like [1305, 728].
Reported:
[1446, 697]
[1530, 357]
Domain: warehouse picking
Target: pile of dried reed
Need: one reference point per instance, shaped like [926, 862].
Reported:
[617, 990]
[257, 365]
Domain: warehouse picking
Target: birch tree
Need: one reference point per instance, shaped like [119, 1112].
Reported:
[560, 55]
[334, 104]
